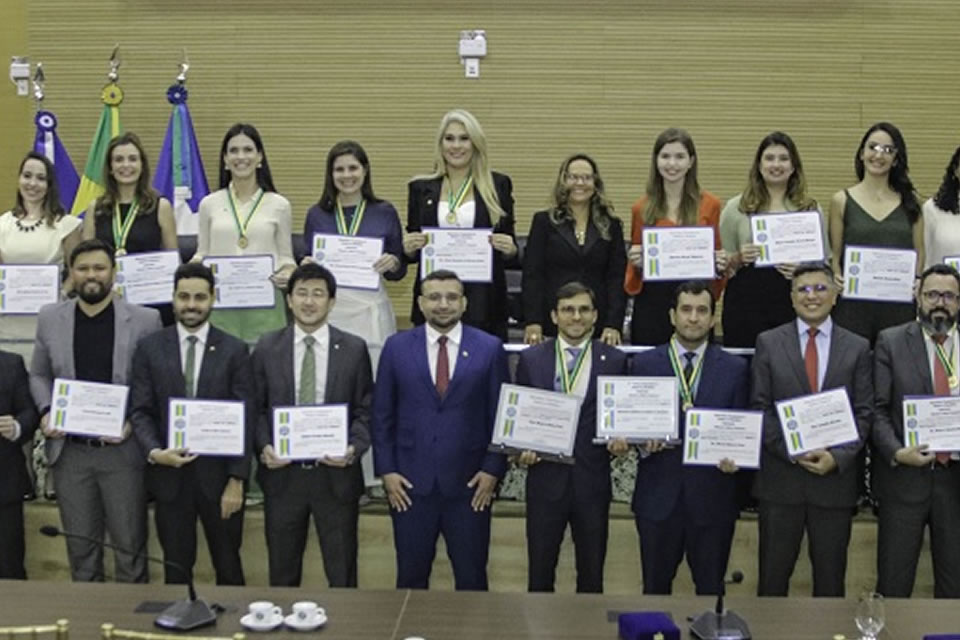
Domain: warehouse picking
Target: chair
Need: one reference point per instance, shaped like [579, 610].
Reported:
[59, 631]
[109, 632]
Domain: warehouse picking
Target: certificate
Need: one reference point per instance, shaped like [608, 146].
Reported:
[88, 408]
[349, 258]
[24, 288]
[952, 261]
[712, 435]
[885, 275]
[536, 420]
[933, 421]
[817, 421]
[637, 408]
[788, 237]
[678, 253]
[311, 432]
[466, 252]
[242, 282]
[207, 427]
[147, 278]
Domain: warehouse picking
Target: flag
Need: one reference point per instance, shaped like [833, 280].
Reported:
[48, 143]
[91, 183]
[180, 176]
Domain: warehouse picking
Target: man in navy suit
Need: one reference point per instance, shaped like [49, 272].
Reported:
[434, 407]
[579, 494]
[688, 510]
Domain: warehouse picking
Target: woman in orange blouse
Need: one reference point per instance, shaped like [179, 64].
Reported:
[673, 198]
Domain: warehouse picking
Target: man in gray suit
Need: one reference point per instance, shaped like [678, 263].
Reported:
[193, 360]
[312, 363]
[915, 487]
[817, 491]
[99, 480]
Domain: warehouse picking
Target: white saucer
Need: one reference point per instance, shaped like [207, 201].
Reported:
[249, 622]
[292, 622]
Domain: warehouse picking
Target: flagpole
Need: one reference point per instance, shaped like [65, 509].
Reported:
[47, 142]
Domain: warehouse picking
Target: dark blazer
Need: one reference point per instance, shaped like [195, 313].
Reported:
[591, 473]
[779, 374]
[158, 376]
[349, 381]
[15, 400]
[486, 303]
[552, 258]
[709, 495]
[432, 440]
[901, 368]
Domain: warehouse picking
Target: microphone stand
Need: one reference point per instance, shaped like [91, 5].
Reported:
[720, 624]
[182, 615]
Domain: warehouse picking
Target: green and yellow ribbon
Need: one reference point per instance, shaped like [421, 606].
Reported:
[686, 386]
[570, 377]
[342, 227]
[122, 226]
[947, 362]
[454, 201]
[243, 225]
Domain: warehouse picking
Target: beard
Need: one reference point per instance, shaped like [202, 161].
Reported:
[193, 320]
[939, 325]
[93, 291]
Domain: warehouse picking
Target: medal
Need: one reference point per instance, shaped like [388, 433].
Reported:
[687, 406]
[354, 226]
[242, 226]
[243, 242]
[953, 381]
[948, 367]
[686, 386]
[569, 377]
[120, 252]
[455, 201]
[121, 226]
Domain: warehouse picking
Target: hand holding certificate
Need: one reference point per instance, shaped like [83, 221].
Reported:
[933, 421]
[531, 419]
[637, 408]
[349, 258]
[310, 432]
[207, 427]
[817, 421]
[147, 278]
[788, 237]
[466, 252]
[886, 275]
[88, 408]
[242, 282]
[714, 435]
[24, 288]
[678, 253]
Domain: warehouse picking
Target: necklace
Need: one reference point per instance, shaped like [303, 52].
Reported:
[27, 228]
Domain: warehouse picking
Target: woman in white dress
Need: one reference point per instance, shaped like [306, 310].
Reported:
[941, 217]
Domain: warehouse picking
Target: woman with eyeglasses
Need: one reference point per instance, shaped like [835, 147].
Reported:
[577, 239]
[941, 217]
[673, 198]
[463, 193]
[758, 298]
[881, 210]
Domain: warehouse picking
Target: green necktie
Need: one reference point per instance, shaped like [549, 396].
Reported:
[188, 369]
[308, 374]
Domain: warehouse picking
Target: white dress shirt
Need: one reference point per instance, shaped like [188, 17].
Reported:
[321, 351]
[681, 350]
[454, 337]
[822, 340]
[583, 382]
[182, 334]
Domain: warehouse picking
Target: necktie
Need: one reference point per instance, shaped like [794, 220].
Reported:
[443, 366]
[572, 354]
[188, 369]
[308, 373]
[810, 359]
[941, 387]
[688, 368]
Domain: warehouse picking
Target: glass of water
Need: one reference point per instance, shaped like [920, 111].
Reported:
[870, 615]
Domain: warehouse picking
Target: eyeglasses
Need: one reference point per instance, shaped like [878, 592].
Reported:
[569, 310]
[947, 296]
[450, 298]
[807, 289]
[585, 178]
[885, 149]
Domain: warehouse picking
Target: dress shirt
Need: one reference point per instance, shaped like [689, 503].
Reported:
[949, 346]
[454, 337]
[321, 349]
[822, 340]
[681, 350]
[201, 334]
[580, 388]
[466, 215]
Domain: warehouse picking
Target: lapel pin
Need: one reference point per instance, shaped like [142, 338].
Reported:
[429, 201]
[212, 348]
[603, 357]
[336, 346]
[465, 354]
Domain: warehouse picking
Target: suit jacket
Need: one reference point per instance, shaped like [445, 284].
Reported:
[53, 353]
[349, 381]
[158, 376]
[901, 368]
[590, 474]
[779, 374]
[15, 401]
[553, 257]
[487, 303]
[709, 495]
[432, 440]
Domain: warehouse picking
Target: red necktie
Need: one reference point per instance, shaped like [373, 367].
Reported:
[941, 387]
[810, 359]
[443, 366]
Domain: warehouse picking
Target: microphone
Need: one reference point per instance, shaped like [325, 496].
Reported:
[719, 623]
[182, 615]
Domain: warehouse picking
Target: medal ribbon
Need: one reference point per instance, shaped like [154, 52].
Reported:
[454, 201]
[354, 224]
[122, 226]
[686, 386]
[569, 378]
[947, 362]
[242, 226]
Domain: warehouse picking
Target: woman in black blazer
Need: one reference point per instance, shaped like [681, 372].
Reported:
[463, 192]
[580, 239]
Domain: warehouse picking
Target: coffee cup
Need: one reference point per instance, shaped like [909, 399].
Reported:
[264, 612]
[307, 611]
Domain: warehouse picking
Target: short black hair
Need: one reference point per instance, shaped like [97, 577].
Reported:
[695, 288]
[819, 266]
[89, 246]
[312, 271]
[939, 269]
[571, 289]
[193, 270]
[442, 274]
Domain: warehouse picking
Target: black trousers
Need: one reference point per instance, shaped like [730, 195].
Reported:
[12, 544]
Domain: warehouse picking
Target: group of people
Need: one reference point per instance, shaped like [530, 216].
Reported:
[430, 413]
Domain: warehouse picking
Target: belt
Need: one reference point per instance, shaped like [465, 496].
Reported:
[87, 441]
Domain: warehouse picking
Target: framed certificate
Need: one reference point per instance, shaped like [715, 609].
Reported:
[637, 408]
[712, 435]
[679, 253]
[25, 288]
[90, 409]
[310, 432]
[207, 427]
[146, 278]
[466, 252]
[531, 419]
[349, 258]
[817, 421]
[788, 237]
[242, 282]
[885, 275]
[933, 421]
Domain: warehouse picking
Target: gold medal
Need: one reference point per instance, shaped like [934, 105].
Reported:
[243, 242]
[120, 252]
[687, 406]
[953, 381]
[452, 217]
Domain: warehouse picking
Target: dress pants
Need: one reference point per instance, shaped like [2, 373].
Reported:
[12, 545]
[287, 513]
[781, 532]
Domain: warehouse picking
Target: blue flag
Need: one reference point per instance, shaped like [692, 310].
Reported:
[48, 143]
[180, 177]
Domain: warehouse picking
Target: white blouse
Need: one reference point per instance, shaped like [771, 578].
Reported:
[43, 244]
[941, 233]
[268, 233]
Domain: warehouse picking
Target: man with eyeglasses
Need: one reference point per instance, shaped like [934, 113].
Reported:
[434, 406]
[917, 488]
[579, 494]
[815, 492]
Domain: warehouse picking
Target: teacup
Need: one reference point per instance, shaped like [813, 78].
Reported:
[307, 611]
[264, 612]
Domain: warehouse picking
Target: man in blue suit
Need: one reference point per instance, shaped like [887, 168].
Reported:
[688, 510]
[578, 494]
[434, 407]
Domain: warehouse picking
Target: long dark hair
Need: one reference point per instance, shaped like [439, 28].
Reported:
[328, 198]
[947, 195]
[146, 196]
[264, 178]
[899, 176]
[52, 209]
